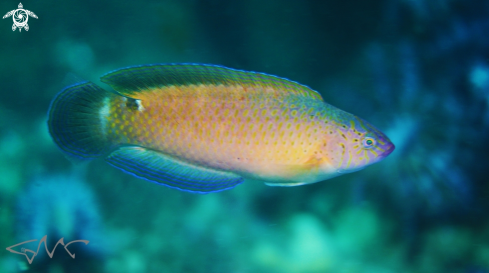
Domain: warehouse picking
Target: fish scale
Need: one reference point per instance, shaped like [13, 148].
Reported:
[245, 138]
[205, 128]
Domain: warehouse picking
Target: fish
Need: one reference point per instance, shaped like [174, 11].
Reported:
[206, 128]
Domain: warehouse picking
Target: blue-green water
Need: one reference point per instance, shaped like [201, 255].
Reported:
[418, 70]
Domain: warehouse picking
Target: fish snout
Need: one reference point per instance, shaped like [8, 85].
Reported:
[388, 149]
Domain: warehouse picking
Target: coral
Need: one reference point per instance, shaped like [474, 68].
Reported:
[61, 206]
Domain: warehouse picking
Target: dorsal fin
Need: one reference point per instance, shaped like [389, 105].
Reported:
[130, 80]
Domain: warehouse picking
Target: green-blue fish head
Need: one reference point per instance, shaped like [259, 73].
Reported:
[357, 144]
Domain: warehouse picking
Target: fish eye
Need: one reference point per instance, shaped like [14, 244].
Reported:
[368, 142]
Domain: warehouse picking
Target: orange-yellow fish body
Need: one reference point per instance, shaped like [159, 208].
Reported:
[205, 128]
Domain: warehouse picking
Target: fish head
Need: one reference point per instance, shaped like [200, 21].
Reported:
[355, 144]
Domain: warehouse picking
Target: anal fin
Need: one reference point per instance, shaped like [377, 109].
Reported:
[163, 169]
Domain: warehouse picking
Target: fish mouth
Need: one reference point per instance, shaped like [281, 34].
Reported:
[389, 150]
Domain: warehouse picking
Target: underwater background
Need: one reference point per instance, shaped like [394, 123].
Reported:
[416, 69]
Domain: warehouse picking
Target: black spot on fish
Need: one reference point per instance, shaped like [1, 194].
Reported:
[131, 104]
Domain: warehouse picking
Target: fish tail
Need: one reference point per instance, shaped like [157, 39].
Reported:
[76, 120]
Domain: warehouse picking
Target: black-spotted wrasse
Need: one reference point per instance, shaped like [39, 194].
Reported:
[207, 128]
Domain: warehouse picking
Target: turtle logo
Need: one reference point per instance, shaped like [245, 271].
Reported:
[20, 17]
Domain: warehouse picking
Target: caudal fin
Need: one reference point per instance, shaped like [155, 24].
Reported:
[76, 119]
